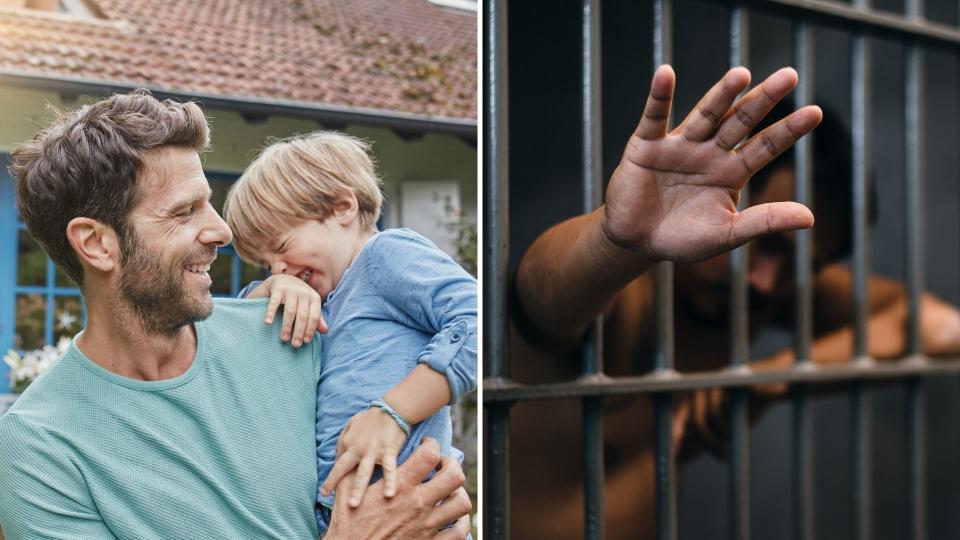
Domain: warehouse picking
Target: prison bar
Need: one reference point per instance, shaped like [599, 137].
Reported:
[665, 465]
[802, 462]
[860, 401]
[739, 469]
[500, 391]
[495, 264]
[592, 350]
[914, 432]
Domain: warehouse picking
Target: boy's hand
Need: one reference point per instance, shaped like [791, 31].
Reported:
[370, 438]
[674, 195]
[301, 313]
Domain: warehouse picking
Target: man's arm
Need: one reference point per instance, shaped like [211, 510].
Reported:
[673, 197]
[42, 494]
[418, 510]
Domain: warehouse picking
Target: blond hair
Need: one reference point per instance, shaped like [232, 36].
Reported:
[300, 178]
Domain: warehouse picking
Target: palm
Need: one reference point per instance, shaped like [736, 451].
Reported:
[675, 196]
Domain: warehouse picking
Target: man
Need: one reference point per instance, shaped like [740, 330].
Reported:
[674, 197]
[171, 415]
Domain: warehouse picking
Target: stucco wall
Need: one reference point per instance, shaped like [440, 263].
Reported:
[235, 141]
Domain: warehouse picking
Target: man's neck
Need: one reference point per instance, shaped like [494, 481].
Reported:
[116, 340]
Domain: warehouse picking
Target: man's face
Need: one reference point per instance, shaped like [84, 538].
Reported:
[171, 241]
[705, 286]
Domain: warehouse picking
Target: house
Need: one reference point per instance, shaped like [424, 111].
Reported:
[399, 73]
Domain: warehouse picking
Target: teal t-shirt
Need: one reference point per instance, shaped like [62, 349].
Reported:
[225, 450]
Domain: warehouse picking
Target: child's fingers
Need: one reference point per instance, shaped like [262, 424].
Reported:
[316, 323]
[341, 467]
[389, 465]
[289, 315]
[362, 480]
[300, 327]
[276, 298]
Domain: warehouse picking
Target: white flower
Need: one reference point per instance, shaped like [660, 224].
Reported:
[25, 368]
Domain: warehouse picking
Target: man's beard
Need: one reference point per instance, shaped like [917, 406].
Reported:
[158, 294]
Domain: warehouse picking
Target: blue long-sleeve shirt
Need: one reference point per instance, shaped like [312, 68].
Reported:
[401, 302]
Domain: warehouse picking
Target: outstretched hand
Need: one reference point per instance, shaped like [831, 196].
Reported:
[674, 195]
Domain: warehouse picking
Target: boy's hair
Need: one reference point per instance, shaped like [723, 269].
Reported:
[300, 178]
[87, 162]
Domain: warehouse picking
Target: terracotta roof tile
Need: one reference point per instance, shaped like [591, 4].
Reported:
[398, 55]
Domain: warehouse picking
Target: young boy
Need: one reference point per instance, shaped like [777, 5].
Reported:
[400, 316]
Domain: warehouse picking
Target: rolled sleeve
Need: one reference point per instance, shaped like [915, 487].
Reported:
[432, 289]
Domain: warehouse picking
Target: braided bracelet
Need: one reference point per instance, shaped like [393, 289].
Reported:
[400, 420]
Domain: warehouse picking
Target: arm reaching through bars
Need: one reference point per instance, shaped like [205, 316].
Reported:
[672, 198]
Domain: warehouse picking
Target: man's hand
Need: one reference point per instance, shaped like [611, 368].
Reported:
[674, 196]
[369, 439]
[417, 511]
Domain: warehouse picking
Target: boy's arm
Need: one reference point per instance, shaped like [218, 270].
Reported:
[418, 282]
[672, 197]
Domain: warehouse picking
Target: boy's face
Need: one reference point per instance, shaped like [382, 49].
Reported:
[318, 252]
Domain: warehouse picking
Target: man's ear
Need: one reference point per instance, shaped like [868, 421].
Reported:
[95, 244]
[346, 208]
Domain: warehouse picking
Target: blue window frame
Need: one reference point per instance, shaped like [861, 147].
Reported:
[39, 304]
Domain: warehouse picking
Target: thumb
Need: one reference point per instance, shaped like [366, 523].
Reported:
[769, 218]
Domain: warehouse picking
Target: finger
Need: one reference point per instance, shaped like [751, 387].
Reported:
[444, 482]
[389, 465]
[751, 108]
[341, 467]
[300, 326]
[768, 218]
[763, 147]
[313, 322]
[322, 327]
[289, 315]
[681, 413]
[423, 460]
[360, 483]
[705, 118]
[451, 509]
[273, 305]
[459, 531]
[656, 113]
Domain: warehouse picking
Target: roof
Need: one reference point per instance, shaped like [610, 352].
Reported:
[405, 56]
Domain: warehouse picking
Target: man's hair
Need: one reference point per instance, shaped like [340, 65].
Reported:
[87, 162]
[832, 173]
[300, 178]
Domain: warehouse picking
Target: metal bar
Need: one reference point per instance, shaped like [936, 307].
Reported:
[877, 23]
[495, 264]
[802, 413]
[916, 452]
[666, 478]
[860, 399]
[739, 469]
[498, 465]
[502, 390]
[915, 428]
[592, 350]
[861, 432]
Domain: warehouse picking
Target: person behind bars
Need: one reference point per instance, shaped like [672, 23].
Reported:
[674, 197]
